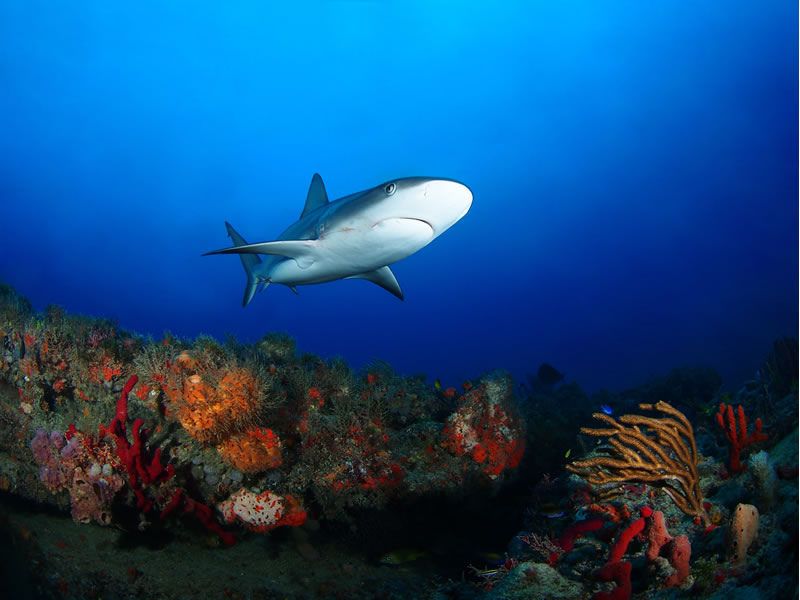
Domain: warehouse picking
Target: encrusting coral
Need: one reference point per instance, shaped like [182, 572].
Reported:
[660, 452]
[262, 512]
[487, 428]
[255, 450]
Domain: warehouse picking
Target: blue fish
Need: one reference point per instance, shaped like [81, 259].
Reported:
[606, 409]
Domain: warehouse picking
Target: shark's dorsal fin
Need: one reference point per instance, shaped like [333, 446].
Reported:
[384, 278]
[317, 196]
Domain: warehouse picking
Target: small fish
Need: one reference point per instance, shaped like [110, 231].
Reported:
[551, 511]
[485, 572]
[611, 495]
[492, 558]
[606, 409]
[402, 556]
[568, 453]
[437, 384]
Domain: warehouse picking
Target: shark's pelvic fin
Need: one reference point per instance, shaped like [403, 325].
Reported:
[302, 251]
[249, 262]
[384, 278]
[317, 196]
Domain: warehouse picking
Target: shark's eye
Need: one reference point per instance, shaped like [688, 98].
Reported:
[390, 189]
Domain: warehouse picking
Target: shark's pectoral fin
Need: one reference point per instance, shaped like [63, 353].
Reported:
[384, 278]
[302, 251]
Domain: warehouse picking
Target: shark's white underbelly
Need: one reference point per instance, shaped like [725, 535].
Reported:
[349, 252]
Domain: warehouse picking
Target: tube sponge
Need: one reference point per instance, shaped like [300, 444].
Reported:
[741, 533]
[763, 480]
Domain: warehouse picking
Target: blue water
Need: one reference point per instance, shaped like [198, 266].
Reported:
[634, 169]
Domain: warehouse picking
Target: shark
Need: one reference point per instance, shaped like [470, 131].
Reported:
[355, 237]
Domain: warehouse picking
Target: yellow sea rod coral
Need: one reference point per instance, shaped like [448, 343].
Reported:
[255, 450]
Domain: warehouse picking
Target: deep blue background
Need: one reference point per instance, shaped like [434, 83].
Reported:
[634, 167]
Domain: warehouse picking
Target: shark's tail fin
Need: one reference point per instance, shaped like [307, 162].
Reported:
[249, 262]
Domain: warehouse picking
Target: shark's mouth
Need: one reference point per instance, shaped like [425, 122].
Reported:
[406, 228]
[409, 220]
[428, 223]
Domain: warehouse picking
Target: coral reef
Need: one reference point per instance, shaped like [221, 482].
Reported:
[187, 421]
[155, 437]
[663, 453]
[596, 504]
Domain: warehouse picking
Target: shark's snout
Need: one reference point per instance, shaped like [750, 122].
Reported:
[446, 202]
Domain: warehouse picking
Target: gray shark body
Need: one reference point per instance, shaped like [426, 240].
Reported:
[357, 236]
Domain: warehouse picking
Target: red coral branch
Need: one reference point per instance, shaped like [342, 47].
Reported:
[131, 455]
[202, 511]
[630, 532]
[737, 440]
[576, 530]
[620, 573]
[141, 472]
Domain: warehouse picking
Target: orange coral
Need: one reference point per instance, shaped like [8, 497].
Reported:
[198, 410]
[253, 451]
[237, 392]
[104, 370]
[210, 412]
